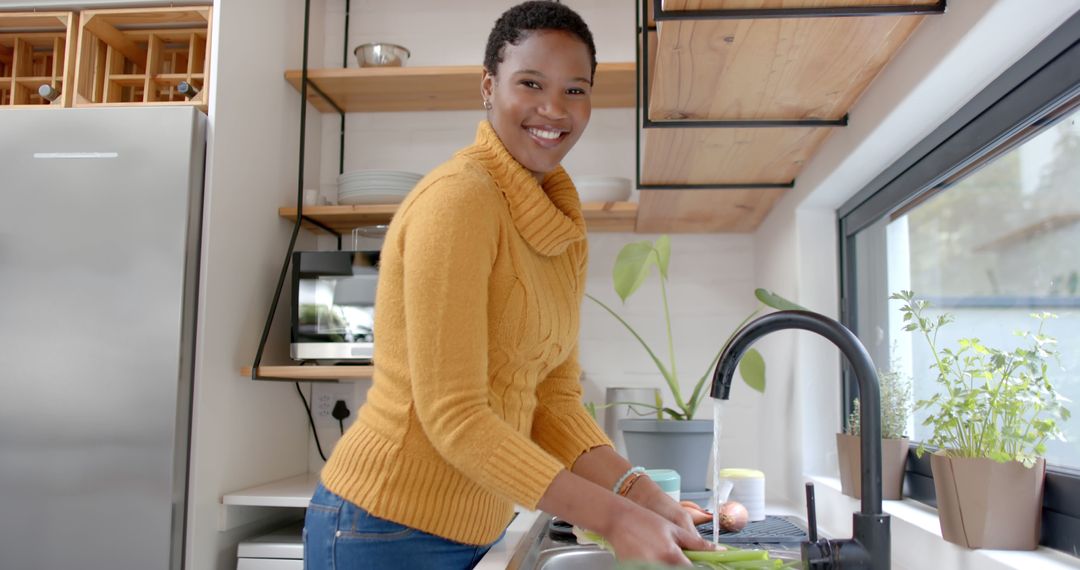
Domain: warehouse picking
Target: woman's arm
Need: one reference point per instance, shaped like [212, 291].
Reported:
[603, 466]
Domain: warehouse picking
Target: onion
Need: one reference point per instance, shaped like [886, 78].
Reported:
[733, 516]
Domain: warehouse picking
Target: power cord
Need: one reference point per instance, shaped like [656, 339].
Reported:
[340, 412]
[311, 419]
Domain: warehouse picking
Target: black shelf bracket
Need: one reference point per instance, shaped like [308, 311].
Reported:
[323, 227]
[300, 217]
[750, 186]
[660, 15]
[743, 123]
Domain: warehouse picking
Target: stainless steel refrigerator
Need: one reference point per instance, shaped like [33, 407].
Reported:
[100, 217]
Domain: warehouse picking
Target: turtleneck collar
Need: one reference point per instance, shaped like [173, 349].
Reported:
[548, 214]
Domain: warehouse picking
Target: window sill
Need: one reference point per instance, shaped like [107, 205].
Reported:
[916, 536]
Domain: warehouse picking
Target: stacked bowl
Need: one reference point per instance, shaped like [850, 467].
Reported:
[375, 186]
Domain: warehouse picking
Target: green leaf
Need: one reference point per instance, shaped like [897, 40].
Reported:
[632, 267]
[663, 254]
[776, 301]
[752, 370]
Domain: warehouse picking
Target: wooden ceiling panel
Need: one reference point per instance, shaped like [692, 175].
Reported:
[704, 211]
[727, 156]
[799, 68]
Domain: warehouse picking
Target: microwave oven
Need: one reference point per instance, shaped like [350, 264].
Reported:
[333, 306]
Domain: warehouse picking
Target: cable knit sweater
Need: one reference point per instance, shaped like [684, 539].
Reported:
[476, 400]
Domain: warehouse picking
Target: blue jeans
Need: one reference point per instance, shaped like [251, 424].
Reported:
[339, 535]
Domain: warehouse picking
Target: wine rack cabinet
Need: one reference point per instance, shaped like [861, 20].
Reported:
[143, 56]
[35, 58]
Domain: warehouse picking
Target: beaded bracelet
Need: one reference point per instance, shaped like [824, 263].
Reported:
[629, 484]
[638, 471]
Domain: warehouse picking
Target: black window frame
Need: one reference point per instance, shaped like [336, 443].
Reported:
[1044, 79]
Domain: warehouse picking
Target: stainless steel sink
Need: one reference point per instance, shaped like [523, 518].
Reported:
[539, 549]
[576, 558]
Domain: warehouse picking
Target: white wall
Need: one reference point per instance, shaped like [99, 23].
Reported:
[947, 60]
[245, 432]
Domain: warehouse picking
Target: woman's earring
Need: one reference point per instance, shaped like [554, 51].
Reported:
[487, 104]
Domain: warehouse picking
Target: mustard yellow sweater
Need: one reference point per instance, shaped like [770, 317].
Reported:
[476, 400]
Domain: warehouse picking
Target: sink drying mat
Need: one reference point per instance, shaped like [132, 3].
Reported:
[774, 529]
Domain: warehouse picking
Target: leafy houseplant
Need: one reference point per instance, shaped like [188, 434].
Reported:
[681, 445]
[632, 267]
[895, 411]
[990, 424]
[895, 406]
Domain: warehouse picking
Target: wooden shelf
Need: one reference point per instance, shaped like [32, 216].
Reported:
[705, 211]
[306, 373]
[783, 68]
[443, 88]
[599, 216]
[763, 69]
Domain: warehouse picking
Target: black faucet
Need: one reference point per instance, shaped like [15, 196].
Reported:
[869, 548]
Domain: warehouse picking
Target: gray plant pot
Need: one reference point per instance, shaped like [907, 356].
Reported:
[680, 445]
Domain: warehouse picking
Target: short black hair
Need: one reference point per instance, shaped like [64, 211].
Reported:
[516, 24]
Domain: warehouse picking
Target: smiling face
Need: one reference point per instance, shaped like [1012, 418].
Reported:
[541, 98]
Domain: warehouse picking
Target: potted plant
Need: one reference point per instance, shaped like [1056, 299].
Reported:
[683, 444]
[990, 423]
[895, 411]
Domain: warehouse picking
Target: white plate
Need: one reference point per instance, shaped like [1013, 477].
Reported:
[361, 199]
[379, 174]
[374, 190]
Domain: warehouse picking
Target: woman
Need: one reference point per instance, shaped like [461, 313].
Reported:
[476, 401]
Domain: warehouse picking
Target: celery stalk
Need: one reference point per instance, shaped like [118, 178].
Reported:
[725, 556]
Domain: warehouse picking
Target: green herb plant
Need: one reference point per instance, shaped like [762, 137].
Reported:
[995, 404]
[895, 406]
[633, 266]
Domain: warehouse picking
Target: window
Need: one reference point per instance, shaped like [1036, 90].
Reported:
[982, 219]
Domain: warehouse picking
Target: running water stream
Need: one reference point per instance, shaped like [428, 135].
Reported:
[718, 425]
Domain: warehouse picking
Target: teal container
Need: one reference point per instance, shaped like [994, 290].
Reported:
[668, 480]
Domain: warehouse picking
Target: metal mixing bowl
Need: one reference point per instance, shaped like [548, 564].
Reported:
[381, 55]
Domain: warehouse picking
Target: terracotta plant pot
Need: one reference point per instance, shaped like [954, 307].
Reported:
[894, 454]
[986, 504]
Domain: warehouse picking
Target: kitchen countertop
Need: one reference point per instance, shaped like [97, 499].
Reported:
[289, 492]
[296, 492]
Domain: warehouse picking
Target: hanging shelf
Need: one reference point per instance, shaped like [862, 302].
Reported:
[441, 88]
[310, 373]
[599, 216]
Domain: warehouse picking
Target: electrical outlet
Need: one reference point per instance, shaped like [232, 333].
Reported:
[325, 395]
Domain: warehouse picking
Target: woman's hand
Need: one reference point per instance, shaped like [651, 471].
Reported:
[633, 531]
[649, 495]
[641, 534]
